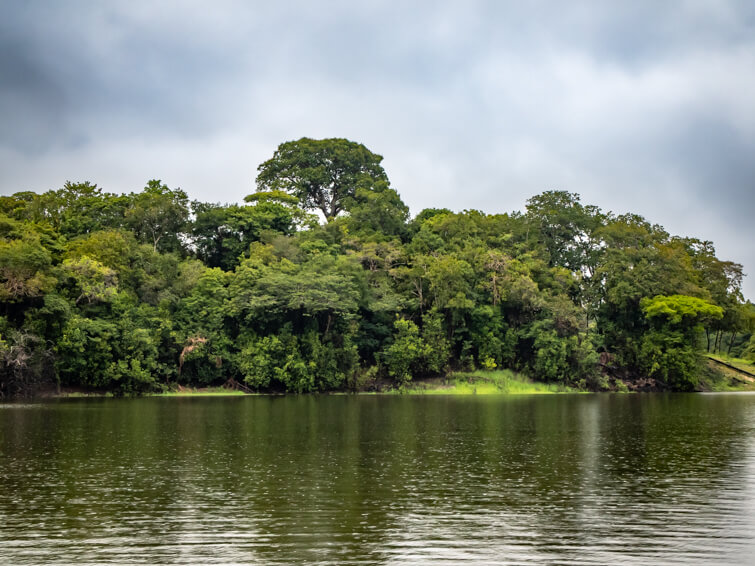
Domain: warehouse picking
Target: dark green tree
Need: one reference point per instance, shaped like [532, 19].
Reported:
[322, 174]
[222, 234]
[668, 349]
[158, 216]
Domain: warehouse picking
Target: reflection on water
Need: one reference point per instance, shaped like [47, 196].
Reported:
[585, 479]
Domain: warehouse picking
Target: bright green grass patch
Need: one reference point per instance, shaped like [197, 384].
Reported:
[715, 377]
[736, 362]
[729, 386]
[483, 383]
[204, 392]
[83, 394]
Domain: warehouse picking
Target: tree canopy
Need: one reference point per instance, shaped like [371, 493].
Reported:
[322, 174]
[135, 292]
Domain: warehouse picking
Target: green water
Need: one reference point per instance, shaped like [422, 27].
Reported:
[577, 479]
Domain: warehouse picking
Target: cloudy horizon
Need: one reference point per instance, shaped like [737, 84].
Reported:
[637, 106]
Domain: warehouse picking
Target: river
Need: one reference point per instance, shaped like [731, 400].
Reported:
[551, 479]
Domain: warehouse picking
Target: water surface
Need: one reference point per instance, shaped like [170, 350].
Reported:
[565, 479]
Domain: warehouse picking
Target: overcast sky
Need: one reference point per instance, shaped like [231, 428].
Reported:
[645, 107]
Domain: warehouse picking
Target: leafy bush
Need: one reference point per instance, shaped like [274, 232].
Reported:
[668, 357]
[405, 355]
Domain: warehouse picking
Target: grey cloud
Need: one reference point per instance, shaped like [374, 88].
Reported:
[32, 104]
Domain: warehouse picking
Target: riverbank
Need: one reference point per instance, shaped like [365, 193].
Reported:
[714, 378]
[721, 374]
[504, 382]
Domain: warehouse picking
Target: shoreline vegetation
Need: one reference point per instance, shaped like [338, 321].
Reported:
[473, 383]
[321, 282]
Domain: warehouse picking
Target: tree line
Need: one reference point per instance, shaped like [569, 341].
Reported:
[320, 281]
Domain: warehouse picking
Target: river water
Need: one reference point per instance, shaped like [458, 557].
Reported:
[558, 479]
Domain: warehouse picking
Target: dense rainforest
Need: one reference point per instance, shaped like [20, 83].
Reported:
[321, 281]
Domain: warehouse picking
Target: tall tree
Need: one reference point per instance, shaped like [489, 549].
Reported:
[566, 229]
[222, 233]
[321, 173]
[158, 215]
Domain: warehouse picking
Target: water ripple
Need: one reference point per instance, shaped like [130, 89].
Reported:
[565, 480]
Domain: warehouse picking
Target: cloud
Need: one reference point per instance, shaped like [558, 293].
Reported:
[638, 106]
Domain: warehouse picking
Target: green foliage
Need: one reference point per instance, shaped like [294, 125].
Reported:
[24, 266]
[25, 362]
[94, 281]
[158, 215]
[680, 310]
[321, 290]
[266, 360]
[566, 229]
[114, 249]
[437, 349]
[127, 293]
[275, 196]
[667, 350]
[405, 352]
[296, 364]
[749, 352]
[207, 350]
[669, 357]
[223, 234]
[560, 357]
[112, 355]
[322, 174]
[377, 213]
[78, 209]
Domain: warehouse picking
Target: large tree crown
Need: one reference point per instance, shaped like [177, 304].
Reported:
[321, 173]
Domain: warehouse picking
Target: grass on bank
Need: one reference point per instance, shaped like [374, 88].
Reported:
[482, 383]
[739, 363]
[718, 378]
[181, 392]
[199, 392]
[714, 377]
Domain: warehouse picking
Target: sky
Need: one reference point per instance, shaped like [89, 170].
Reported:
[644, 107]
